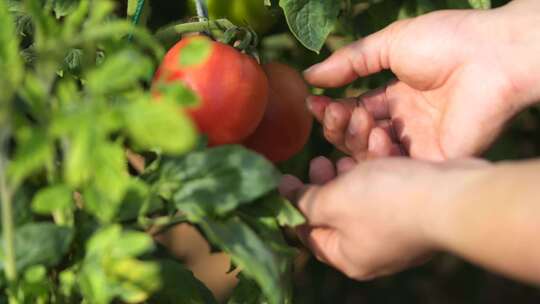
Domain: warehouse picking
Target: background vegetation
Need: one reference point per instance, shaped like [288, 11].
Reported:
[77, 218]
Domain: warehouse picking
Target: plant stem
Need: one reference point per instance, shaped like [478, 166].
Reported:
[175, 30]
[7, 213]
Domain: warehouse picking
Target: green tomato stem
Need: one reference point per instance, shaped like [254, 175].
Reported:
[174, 31]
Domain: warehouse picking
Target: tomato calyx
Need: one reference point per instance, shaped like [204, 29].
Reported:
[243, 39]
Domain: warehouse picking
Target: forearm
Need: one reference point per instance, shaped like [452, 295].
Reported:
[494, 219]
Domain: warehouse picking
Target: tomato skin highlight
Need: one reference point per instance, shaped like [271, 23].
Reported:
[232, 88]
[286, 125]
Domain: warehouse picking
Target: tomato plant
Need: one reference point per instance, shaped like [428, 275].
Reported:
[92, 167]
[286, 125]
[229, 84]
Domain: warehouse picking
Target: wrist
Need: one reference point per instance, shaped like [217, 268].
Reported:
[454, 189]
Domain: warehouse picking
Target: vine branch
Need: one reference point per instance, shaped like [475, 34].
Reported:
[7, 212]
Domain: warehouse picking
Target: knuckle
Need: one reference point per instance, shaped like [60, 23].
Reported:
[332, 135]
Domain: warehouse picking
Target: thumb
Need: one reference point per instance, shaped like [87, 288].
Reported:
[361, 58]
[319, 204]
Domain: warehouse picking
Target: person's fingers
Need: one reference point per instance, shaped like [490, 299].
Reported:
[397, 150]
[321, 171]
[345, 165]
[357, 135]
[289, 186]
[376, 102]
[387, 126]
[364, 57]
[318, 205]
[317, 106]
[321, 240]
[335, 122]
[380, 144]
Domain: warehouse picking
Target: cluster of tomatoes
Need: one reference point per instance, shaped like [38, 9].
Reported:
[242, 102]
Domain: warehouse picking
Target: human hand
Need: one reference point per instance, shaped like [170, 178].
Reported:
[461, 76]
[375, 218]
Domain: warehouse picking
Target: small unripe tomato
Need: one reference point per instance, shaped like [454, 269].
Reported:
[252, 13]
[232, 88]
[287, 122]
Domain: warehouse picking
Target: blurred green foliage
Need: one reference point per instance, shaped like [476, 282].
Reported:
[72, 100]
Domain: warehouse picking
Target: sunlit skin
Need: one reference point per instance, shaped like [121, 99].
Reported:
[461, 76]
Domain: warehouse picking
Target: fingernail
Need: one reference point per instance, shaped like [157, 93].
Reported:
[330, 118]
[309, 104]
[312, 69]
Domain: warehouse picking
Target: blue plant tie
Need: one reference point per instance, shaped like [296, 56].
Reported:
[137, 15]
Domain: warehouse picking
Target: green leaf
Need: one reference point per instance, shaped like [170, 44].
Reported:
[104, 171]
[249, 253]
[177, 93]
[159, 125]
[136, 279]
[278, 207]
[180, 286]
[311, 21]
[35, 274]
[10, 60]
[53, 198]
[35, 284]
[68, 281]
[270, 233]
[21, 212]
[74, 20]
[246, 292]
[137, 201]
[35, 95]
[215, 181]
[110, 169]
[121, 71]
[480, 4]
[195, 52]
[78, 167]
[64, 7]
[34, 151]
[264, 220]
[105, 167]
[73, 59]
[94, 284]
[411, 9]
[113, 242]
[109, 269]
[39, 243]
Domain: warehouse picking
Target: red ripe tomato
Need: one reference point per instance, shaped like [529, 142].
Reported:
[232, 88]
[287, 123]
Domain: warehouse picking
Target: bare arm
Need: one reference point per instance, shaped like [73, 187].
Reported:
[386, 215]
[495, 220]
